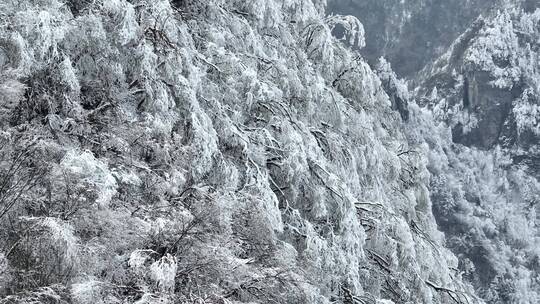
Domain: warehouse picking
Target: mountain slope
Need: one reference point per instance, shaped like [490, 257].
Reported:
[486, 89]
[479, 120]
[208, 151]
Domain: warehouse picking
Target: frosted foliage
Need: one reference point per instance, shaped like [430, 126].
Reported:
[204, 142]
[69, 77]
[92, 172]
[264, 11]
[4, 272]
[492, 204]
[497, 43]
[270, 204]
[11, 92]
[485, 199]
[164, 272]
[87, 292]
[527, 113]
[385, 73]
[62, 235]
[319, 42]
[126, 23]
[3, 263]
[504, 49]
[51, 243]
[45, 27]
[138, 259]
[149, 298]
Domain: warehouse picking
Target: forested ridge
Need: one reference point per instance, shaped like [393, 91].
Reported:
[473, 68]
[233, 151]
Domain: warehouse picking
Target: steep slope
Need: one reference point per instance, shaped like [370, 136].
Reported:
[486, 193]
[208, 152]
[490, 75]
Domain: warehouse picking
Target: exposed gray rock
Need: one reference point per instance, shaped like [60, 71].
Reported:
[410, 34]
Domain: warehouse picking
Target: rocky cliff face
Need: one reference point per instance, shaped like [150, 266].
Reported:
[486, 89]
[488, 84]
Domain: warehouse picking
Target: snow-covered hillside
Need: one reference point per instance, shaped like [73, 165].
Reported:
[207, 152]
[236, 151]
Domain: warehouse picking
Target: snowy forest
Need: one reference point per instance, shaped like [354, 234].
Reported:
[269, 151]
